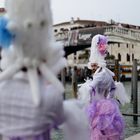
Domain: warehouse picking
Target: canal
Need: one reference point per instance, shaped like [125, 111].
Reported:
[131, 128]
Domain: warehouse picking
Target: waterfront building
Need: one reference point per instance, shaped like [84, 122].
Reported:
[125, 50]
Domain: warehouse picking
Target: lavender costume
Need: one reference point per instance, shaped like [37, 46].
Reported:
[98, 95]
[105, 118]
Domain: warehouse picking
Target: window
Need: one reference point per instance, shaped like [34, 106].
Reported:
[127, 57]
[75, 55]
[55, 30]
[119, 56]
[118, 45]
[61, 29]
[127, 45]
[132, 56]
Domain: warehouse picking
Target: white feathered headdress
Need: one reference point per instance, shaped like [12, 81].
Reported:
[98, 50]
[28, 41]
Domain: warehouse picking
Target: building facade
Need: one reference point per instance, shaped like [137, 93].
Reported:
[125, 52]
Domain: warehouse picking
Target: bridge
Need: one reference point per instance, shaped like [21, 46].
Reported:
[79, 39]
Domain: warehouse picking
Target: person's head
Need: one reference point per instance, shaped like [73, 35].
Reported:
[33, 44]
[98, 51]
[94, 67]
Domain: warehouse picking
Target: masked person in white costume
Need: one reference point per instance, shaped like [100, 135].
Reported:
[31, 96]
[98, 95]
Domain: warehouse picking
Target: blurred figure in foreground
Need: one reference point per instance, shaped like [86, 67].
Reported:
[31, 96]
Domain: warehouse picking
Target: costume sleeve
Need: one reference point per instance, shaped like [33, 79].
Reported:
[76, 122]
[88, 88]
[120, 93]
[84, 92]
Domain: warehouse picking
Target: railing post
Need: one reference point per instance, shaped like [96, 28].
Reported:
[135, 89]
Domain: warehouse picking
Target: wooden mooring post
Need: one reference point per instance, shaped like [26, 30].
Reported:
[117, 71]
[74, 82]
[63, 80]
[134, 93]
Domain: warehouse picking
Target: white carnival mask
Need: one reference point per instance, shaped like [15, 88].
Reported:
[33, 45]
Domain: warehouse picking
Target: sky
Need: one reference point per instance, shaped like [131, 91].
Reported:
[124, 11]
